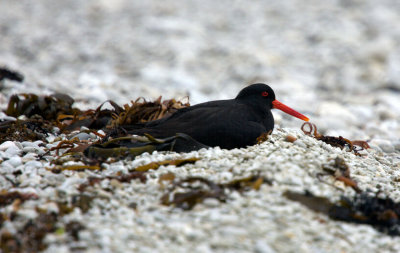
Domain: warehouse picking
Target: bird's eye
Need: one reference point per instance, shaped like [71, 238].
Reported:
[264, 94]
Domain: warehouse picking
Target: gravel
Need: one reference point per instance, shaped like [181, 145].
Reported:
[338, 62]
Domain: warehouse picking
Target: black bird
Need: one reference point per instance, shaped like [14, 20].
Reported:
[232, 123]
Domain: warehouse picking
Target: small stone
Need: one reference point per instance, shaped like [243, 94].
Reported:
[29, 149]
[397, 145]
[263, 247]
[300, 143]
[81, 136]
[29, 214]
[32, 148]
[375, 147]
[29, 157]
[5, 117]
[388, 148]
[18, 144]
[51, 145]
[33, 164]
[32, 180]
[385, 145]
[290, 138]
[6, 145]
[29, 144]
[6, 167]
[22, 117]
[51, 139]
[15, 161]
[50, 207]
[12, 151]
[101, 132]
[115, 183]
[211, 202]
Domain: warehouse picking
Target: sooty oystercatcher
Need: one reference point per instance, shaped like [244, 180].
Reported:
[232, 123]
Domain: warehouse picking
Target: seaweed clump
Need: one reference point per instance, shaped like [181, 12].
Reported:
[340, 142]
[140, 111]
[383, 213]
[341, 171]
[187, 193]
[40, 116]
[45, 115]
[30, 236]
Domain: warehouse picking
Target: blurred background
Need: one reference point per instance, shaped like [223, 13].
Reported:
[337, 61]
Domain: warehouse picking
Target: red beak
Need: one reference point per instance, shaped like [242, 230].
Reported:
[278, 105]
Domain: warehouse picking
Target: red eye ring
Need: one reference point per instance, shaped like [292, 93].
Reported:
[264, 94]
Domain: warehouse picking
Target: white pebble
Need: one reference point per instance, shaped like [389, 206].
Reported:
[300, 143]
[15, 161]
[211, 202]
[12, 151]
[33, 164]
[385, 145]
[29, 149]
[6, 145]
[50, 207]
[28, 213]
[263, 247]
[4, 116]
[29, 144]
[81, 136]
[397, 145]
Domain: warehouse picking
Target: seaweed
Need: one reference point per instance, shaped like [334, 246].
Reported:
[48, 107]
[57, 108]
[340, 142]
[92, 119]
[30, 237]
[263, 137]
[83, 201]
[46, 114]
[41, 116]
[252, 182]
[6, 73]
[341, 171]
[138, 173]
[58, 169]
[140, 111]
[315, 203]
[365, 208]
[187, 193]
[25, 130]
[383, 213]
[166, 178]
[177, 163]
[131, 146]
[73, 228]
[8, 197]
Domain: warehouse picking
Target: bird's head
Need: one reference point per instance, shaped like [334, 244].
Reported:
[263, 93]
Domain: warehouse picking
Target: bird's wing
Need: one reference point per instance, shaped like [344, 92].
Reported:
[172, 116]
[183, 113]
[224, 116]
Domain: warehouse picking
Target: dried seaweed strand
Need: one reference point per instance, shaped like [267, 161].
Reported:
[186, 193]
[334, 141]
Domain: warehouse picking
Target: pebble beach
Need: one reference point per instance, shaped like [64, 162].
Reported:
[337, 62]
